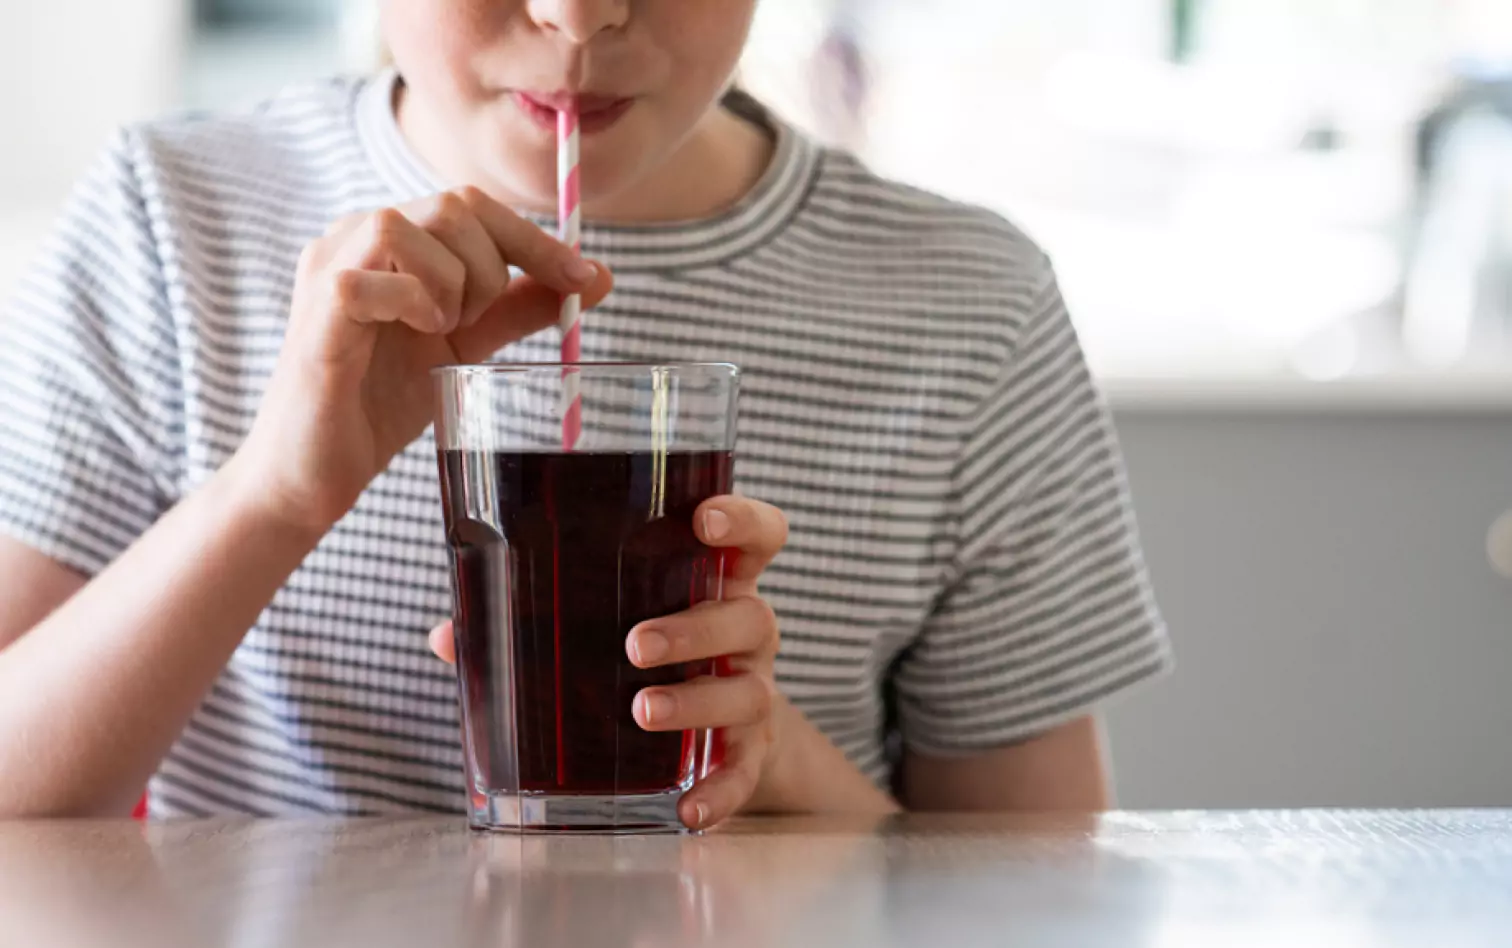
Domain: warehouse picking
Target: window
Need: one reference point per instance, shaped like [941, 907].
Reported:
[1320, 187]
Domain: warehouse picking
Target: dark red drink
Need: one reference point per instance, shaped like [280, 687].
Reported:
[556, 558]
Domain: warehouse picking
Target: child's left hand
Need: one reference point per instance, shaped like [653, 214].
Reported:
[740, 631]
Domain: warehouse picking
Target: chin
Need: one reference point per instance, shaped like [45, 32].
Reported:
[533, 191]
[525, 164]
[605, 182]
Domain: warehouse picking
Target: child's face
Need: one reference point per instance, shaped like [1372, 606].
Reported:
[484, 76]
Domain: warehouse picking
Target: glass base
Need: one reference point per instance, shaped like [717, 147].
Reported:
[552, 813]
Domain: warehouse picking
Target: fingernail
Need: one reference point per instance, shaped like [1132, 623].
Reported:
[650, 646]
[656, 707]
[701, 814]
[716, 525]
[579, 270]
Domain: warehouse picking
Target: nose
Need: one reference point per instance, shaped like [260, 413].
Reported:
[579, 20]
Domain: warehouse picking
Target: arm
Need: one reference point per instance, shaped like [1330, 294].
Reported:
[1060, 770]
[1049, 612]
[93, 696]
[809, 774]
[35, 586]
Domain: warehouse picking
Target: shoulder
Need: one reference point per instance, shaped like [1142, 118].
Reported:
[874, 209]
[304, 134]
[951, 256]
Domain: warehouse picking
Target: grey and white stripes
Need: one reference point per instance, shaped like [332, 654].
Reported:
[914, 399]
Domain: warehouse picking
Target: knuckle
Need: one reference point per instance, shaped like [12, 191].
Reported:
[448, 311]
[483, 291]
[679, 642]
[455, 275]
[697, 616]
[470, 196]
[762, 698]
[696, 630]
[419, 296]
[449, 211]
[450, 287]
[451, 204]
[385, 226]
[779, 526]
[346, 289]
[491, 282]
[765, 615]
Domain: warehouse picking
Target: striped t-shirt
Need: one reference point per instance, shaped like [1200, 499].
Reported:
[913, 398]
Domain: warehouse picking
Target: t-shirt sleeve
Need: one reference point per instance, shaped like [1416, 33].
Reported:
[89, 393]
[1050, 610]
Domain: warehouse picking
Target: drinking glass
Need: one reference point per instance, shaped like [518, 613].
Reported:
[566, 529]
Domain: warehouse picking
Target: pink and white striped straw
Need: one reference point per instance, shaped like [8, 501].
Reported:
[570, 223]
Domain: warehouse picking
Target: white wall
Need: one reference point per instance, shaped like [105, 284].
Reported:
[1341, 637]
[72, 70]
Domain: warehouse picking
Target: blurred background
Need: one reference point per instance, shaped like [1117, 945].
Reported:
[1285, 231]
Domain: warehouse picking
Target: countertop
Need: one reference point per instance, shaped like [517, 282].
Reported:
[1485, 390]
[1126, 879]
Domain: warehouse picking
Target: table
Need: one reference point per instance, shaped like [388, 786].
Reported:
[1129, 879]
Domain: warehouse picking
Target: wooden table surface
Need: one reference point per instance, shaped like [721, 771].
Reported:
[1337, 879]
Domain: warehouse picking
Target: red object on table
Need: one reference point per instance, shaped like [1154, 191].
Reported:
[140, 812]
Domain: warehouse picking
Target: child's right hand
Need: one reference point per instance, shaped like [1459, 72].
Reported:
[379, 301]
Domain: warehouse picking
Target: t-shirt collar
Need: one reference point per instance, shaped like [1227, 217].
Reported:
[758, 218]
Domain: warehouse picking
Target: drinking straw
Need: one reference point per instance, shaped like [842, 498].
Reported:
[570, 226]
[570, 222]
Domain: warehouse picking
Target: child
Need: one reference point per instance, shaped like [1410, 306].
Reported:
[218, 495]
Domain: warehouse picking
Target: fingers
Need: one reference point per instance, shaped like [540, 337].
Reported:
[757, 530]
[460, 246]
[704, 703]
[527, 306]
[444, 643]
[709, 630]
[388, 241]
[447, 217]
[548, 260]
[721, 795]
[368, 296]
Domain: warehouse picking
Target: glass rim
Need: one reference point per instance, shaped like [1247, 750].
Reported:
[596, 368]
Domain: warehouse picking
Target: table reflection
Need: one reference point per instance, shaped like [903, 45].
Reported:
[432, 882]
[72, 885]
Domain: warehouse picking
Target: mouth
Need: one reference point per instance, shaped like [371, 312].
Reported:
[596, 113]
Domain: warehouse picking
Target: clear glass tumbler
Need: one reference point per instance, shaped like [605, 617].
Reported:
[563, 537]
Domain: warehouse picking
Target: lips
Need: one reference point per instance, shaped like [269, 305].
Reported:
[595, 113]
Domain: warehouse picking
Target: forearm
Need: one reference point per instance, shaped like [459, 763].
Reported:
[811, 775]
[93, 696]
[1060, 770]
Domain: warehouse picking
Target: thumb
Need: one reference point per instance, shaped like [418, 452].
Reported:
[443, 643]
[527, 306]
